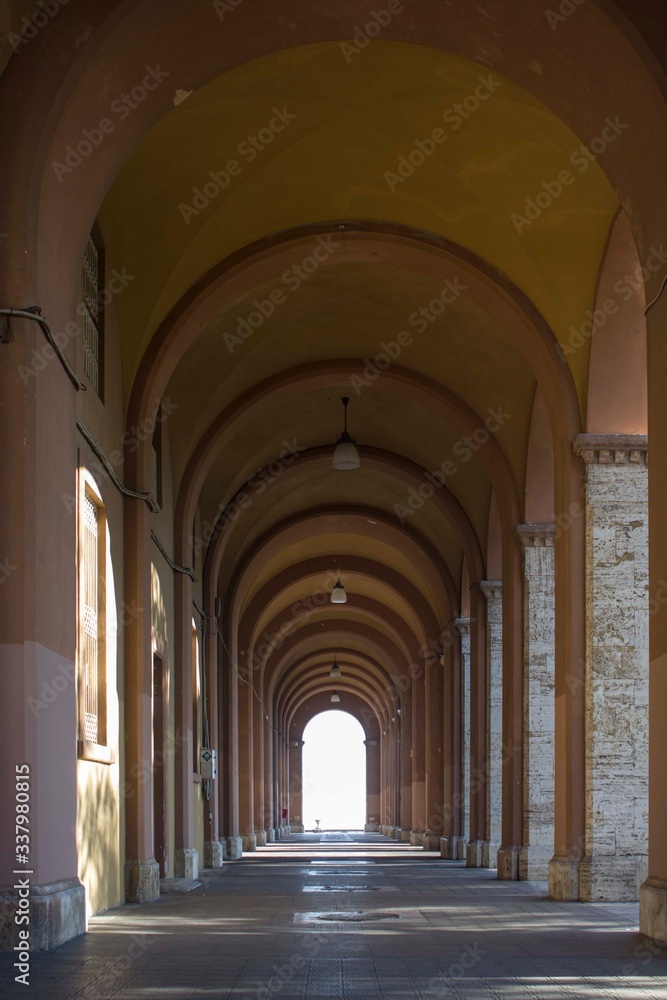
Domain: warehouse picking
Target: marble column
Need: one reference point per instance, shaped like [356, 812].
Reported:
[437, 708]
[419, 728]
[372, 786]
[539, 693]
[653, 894]
[402, 728]
[617, 612]
[492, 590]
[454, 847]
[296, 785]
[479, 731]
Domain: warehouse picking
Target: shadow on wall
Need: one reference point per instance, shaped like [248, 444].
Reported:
[98, 836]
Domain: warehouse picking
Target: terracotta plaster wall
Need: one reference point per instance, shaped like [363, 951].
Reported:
[162, 617]
[100, 827]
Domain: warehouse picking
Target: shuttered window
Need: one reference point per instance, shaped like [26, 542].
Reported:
[93, 313]
[91, 644]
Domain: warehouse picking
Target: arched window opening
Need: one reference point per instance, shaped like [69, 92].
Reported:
[334, 773]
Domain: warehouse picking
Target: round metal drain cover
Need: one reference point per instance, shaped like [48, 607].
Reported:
[355, 917]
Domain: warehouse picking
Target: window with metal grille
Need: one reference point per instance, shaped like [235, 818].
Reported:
[93, 313]
[90, 644]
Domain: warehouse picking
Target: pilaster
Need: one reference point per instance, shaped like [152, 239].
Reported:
[617, 612]
[493, 592]
[456, 846]
[537, 541]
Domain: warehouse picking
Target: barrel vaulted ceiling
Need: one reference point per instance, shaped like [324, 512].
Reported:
[327, 187]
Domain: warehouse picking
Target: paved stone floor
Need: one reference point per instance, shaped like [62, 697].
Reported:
[436, 930]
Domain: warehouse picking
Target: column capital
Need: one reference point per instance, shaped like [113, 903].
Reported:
[612, 449]
[533, 535]
[371, 743]
[462, 626]
[492, 589]
[295, 744]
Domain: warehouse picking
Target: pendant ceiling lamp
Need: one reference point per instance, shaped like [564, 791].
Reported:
[338, 595]
[335, 698]
[345, 455]
[335, 673]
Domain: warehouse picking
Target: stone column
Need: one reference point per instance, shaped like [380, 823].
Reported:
[419, 727]
[653, 895]
[258, 761]
[372, 786]
[479, 710]
[492, 590]
[246, 771]
[616, 857]
[296, 785]
[454, 847]
[539, 694]
[435, 740]
[402, 727]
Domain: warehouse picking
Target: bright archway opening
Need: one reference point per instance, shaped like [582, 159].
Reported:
[334, 773]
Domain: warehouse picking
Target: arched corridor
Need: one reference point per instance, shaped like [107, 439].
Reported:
[331, 343]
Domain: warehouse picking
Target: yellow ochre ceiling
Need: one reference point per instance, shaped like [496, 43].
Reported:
[353, 119]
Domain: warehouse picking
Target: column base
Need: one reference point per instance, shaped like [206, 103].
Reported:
[234, 848]
[490, 850]
[474, 853]
[142, 881]
[214, 853]
[431, 841]
[249, 841]
[297, 828]
[534, 863]
[371, 828]
[186, 862]
[508, 864]
[271, 835]
[653, 908]
[564, 878]
[261, 838]
[449, 847]
[612, 878]
[446, 847]
[403, 836]
[57, 914]
[416, 838]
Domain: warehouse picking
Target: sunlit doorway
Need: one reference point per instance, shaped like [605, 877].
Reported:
[334, 773]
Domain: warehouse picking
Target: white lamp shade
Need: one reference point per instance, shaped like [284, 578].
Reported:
[338, 595]
[335, 673]
[345, 456]
[335, 698]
